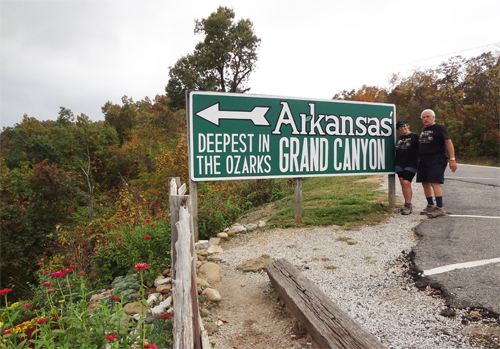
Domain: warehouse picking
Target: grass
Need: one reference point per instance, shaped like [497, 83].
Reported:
[344, 201]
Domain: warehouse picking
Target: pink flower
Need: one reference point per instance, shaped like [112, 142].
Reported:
[147, 220]
[154, 346]
[141, 266]
[230, 215]
[50, 291]
[147, 237]
[47, 271]
[47, 283]
[71, 266]
[205, 216]
[40, 263]
[26, 305]
[110, 337]
[58, 274]
[82, 272]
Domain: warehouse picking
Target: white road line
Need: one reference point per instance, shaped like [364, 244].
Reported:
[451, 267]
[470, 216]
[492, 167]
[453, 177]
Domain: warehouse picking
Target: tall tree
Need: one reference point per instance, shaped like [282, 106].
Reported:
[223, 61]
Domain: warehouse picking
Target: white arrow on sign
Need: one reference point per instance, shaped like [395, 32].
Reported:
[214, 114]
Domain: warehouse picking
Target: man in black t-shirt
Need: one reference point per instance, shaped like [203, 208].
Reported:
[406, 162]
[433, 142]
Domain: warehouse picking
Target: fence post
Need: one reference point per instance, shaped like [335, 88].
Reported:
[297, 201]
[391, 184]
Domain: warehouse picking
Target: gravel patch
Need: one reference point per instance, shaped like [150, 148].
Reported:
[364, 272]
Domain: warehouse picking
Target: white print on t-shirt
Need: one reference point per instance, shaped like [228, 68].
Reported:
[426, 136]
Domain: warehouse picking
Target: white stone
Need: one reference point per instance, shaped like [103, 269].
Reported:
[222, 236]
[153, 297]
[164, 281]
[238, 228]
[261, 224]
[215, 249]
[251, 226]
[212, 295]
[162, 306]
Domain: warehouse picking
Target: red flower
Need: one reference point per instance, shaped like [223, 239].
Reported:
[230, 215]
[147, 237]
[67, 271]
[119, 216]
[137, 208]
[82, 272]
[71, 266]
[40, 263]
[156, 205]
[147, 202]
[199, 212]
[141, 266]
[128, 221]
[58, 274]
[5, 291]
[223, 199]
[150, 212]
[71, 286]
[209, 211]
[96, 249]
[120, 238]
[39, 271]
[215, 216]
[47, 271]
[205, 216]
[147, 220]
[166, 316]
[106, 249]
[7, 332]
[116, 298]
[123, 212]
[26, 305]
[121, 243]
[50, 291]
[110, 337]
[42, 320]
[47, 283]
[164, 216]
[152, 224]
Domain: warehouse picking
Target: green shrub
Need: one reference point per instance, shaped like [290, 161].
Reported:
[139, 237]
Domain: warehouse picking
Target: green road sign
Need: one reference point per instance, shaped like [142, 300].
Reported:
[241, 136]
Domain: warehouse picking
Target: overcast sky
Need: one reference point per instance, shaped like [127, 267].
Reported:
[79, 54]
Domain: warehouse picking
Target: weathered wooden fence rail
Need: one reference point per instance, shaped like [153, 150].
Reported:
[329, 326]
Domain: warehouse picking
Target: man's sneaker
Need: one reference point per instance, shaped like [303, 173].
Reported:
[438, 212]
[428, 209]
[408, 209]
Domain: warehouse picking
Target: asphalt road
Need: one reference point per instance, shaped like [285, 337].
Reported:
[465, 244]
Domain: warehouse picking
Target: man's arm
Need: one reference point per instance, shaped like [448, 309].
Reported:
[451, 151]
